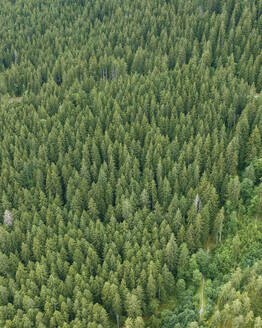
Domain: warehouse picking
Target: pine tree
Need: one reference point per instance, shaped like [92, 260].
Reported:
[133, 306]
[233, 191]
[253, 145]
[171, 254]
[183, 261]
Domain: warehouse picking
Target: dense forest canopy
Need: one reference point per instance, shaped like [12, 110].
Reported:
[131, 163]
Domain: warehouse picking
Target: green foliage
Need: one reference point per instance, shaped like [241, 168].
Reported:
[239, 301]
[129, 135]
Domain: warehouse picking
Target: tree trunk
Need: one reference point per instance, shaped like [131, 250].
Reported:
[117, 320]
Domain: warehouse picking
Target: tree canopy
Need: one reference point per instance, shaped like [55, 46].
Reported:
[130, 138]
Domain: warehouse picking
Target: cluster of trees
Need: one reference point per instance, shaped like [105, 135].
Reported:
[124, 126]
[240, 299]
[223, 278]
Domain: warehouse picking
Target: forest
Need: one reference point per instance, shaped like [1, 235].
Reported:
[131, 164]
